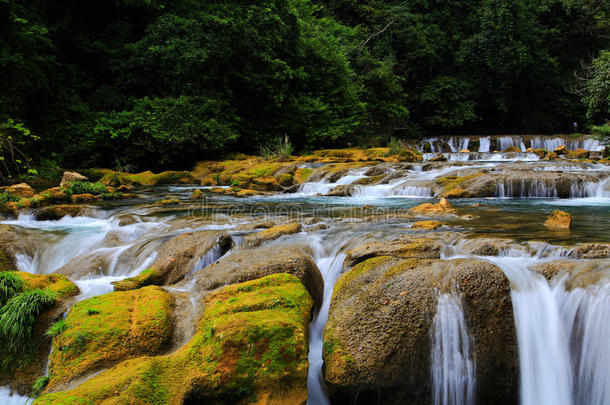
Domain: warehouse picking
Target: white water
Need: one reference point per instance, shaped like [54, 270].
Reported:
[452, 366]
[484, 144]
[7, 399]
[330, 263]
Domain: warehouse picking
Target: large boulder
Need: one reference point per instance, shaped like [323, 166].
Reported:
[55, 212]
[406, 247]
[377, 339]
[440, 209]
[22, 190]
[249, 264]
[70, 177]
[105, 330]
[250, 347]
[575, 273]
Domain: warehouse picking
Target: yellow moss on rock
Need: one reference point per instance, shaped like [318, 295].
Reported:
[274, 232]
[428, 225]
[108, 329]
[57, 283]
[250, 346]
[146, 277]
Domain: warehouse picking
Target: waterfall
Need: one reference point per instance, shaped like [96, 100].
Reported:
[544, 354]
[8, 398]
[330, 263]
[452, 367]
[484, 144]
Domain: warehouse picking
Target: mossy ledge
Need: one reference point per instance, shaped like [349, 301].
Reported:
[104, 330]
[250, 345]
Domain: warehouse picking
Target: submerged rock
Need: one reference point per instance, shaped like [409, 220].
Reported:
[377, 339]
[108, 329]
[442, 208]
[559, 220]
[250, 346]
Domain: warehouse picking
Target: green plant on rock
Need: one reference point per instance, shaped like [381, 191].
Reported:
[18, 317]
[279, 148]
[84, 187]
[6, 197]
[10, 285]
[395, 146]
[115, 195]
[39, 385]
[57, 328]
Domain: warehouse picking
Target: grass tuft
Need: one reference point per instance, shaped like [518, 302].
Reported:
[39, 385]
[10, 285]
[84, 187]
[57, 328]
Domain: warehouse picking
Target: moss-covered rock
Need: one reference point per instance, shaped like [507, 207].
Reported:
[147, 178]
[57, 283]
[426, 225]
[406, 247]
[108, 329]
[250, 346]
[55, 212]
[441, 209]
[377, 339]
[272, 233]
[559, 220]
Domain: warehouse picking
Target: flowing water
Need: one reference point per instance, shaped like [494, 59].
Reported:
[453, 369]
[562, 331]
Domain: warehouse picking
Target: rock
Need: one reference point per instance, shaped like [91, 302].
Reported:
[176, 258]
[578, 154]
[375, 171]
[406, 247]
[442, 208]
[22, 190]
[169, 201]
[272, 233]
[551, 156]
[575, 273]
[55, 212]
[464, 151]
[70, 177]
[83, 198]
[529, 150]
[561, 150]
[541, 153]
[249, 264]
[512, 149]
[592, 251]
[559, 220]
[377, 339]
[456, 192]
[197, 194]
[250, 346]
[345, 190]
[55, 195]
[439, 158]
[476, 205]
[428, 225]
[106, 330]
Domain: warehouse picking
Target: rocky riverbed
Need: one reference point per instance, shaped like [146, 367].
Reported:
[348, 276]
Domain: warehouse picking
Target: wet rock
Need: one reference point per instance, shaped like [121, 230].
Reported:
[105, 330]
[249, 264]
[375, 171]
[442, 208]
[561, 150]
[592, 251]
[514, 149]
[250, 346]
[456, 193]
[427, 225]
[578, 154]
[551, 156]
[55, 212]
[439, 158]
[575, 273]
[342, 191]
[176, 258]
[272, 233]
[170, 201]
[70, 177]
[22, 190]
[559, 220]
[465, 151]
[197, 194]
[407, 247]
[377, 339]
[83, 198]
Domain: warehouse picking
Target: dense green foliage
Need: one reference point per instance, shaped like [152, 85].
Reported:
[84, 187]
[147, 83]
[10, 285]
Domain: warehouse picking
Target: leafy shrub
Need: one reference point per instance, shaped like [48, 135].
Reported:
[57, 328]
[8, 197]
[602, 133]
[84, 187]
[39, 385]
[10, 285]
[18, 317]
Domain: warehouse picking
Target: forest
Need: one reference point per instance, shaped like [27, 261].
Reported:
[150, 83]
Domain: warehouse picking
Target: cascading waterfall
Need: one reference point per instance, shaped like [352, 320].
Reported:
[15, 399]
[330, 263]
[484, 144]
[544, 356]
[452, 367]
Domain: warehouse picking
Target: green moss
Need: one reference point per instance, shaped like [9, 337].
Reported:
[146, 277]
[171, 201]
[359, 269]
[451, 182]
[301, 175]
[250, 341]
[84, 187]
[57, 283]
[8, 197]
[110, 328]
